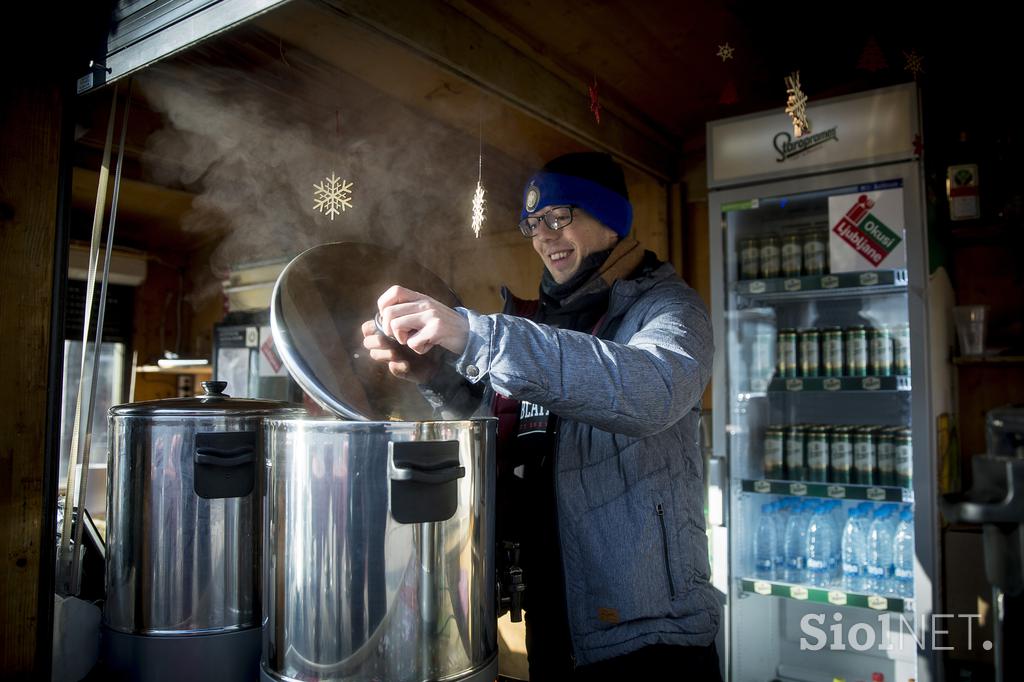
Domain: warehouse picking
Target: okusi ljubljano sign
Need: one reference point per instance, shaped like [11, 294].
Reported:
[867, 230]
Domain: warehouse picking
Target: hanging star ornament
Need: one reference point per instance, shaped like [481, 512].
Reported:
[478, 209]
[914, 63]
[595, 101]
[332, 194]
[725, 52]
[796, 105]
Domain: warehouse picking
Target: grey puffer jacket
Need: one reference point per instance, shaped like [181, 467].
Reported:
[629, 488]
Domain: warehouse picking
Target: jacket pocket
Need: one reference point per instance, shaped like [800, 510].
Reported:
[664, 541]
[625, 555]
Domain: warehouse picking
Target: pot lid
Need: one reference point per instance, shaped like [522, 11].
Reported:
[213, 402]
[319, 304]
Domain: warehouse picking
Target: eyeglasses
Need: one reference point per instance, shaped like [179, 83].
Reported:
[555, 218]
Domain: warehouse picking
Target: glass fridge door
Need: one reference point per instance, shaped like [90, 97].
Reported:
[817, 422]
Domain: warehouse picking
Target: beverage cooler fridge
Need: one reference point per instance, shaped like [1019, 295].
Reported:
[825, 542]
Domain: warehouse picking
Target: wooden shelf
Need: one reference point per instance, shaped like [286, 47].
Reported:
[993, 233]
[989, 360]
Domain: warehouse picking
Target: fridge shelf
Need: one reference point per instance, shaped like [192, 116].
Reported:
[834, 384]
[839, 285]
[835, 491]
[818, 595]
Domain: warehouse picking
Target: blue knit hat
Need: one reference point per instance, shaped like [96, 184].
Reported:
[590, 180]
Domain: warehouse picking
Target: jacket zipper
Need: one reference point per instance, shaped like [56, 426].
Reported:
[664, 545]
[558, 535]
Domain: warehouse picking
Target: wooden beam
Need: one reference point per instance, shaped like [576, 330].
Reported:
[441, 34]
[30, 121]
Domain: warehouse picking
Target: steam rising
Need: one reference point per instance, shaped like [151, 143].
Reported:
[252, 145]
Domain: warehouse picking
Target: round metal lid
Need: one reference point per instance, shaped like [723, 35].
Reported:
[319, 304]
[213, 402]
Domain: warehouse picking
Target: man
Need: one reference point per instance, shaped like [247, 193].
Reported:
[597, 388]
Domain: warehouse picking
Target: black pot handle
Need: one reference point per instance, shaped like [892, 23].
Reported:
[423, 480]
[224, 464]
[435, 477]
[225, 458]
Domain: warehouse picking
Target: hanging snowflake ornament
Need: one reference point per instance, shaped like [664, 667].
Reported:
[332, 194]
[478, 209]
[595, 101]
[914, 63]
[725, 52]
[796, 105]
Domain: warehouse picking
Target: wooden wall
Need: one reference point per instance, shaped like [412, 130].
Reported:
[30, 121]
[986, 271]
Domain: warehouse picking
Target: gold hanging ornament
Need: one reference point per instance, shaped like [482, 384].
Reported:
[478, 209]
[914, 63]
[332, 194]
[725, 52]
[796, 105]
[478, 196]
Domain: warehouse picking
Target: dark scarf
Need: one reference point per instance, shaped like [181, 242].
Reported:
[579, 303]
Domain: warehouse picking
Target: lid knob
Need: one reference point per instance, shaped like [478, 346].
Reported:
[215, 389]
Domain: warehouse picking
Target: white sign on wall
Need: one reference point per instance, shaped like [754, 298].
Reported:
[867, 231]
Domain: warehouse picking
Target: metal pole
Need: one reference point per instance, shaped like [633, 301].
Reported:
[94, 252]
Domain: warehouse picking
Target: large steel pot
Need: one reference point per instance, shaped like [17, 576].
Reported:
[183, 536]
[378, 533]
[378, 551]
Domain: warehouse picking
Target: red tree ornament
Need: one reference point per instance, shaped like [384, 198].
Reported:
[872, 59]
[728, 95]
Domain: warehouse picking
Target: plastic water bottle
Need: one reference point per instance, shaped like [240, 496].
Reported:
[783, 509]
[864, 521]
[838, 520]
[903, 555]
[796, 543]
[880, 552]
[854, 559]
[779, 555]
[765, 544]
[820, 546]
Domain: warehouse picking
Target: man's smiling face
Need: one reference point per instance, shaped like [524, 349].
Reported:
[564, 250]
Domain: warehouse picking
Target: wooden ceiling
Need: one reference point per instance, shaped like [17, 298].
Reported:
[660, 59]
[520, 71]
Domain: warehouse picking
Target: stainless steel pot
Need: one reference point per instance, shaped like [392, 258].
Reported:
[378, 559]
[378, 533]
[183, 535]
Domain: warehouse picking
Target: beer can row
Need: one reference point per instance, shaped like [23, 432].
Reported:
[855, 351]
[791, 255]
[865, 455]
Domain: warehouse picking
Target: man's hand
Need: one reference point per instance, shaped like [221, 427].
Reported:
[420, 323]
[416, 324]
[402, 362]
